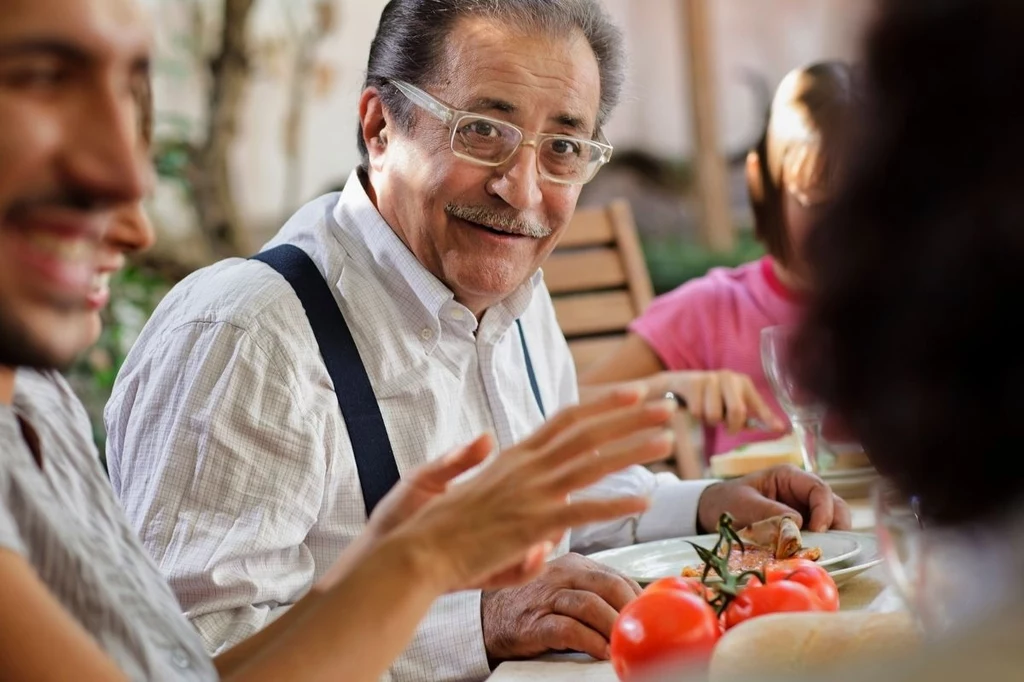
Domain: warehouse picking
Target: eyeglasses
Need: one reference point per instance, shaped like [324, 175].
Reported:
[492, 142]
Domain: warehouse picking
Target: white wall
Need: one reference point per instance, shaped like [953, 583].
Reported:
[770, 36]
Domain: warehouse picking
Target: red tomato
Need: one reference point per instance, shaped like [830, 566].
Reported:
[667, 626]
[691, 585]
[809, 574]
[778, 597]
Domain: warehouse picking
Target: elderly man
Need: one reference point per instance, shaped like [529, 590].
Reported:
[268, 404]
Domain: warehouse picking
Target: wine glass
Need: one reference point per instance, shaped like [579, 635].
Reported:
[806, 413]
[947, 578]
[900, 532]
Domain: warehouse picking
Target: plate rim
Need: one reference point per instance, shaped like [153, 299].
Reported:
[853, 536]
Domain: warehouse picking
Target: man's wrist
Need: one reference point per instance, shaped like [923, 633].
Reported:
[703, 528]
[488, 603]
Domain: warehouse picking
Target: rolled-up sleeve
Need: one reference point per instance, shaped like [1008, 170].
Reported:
[672, 513]
[220, 471]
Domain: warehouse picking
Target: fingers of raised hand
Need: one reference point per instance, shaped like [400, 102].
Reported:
[435, 476]
[625, 396]
[586, 511]
[598, 431]
[647, 446]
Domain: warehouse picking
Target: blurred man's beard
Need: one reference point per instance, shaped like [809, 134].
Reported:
[17, 348]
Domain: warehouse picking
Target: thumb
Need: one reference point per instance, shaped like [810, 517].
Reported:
[436, 475]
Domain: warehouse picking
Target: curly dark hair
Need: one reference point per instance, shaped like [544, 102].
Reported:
[911, 335]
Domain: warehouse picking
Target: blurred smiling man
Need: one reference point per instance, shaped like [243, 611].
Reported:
[64, 80]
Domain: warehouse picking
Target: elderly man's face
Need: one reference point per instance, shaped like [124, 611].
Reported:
[69, 157]
[539, 83]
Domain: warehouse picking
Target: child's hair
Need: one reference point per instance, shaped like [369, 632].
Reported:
[799, 147]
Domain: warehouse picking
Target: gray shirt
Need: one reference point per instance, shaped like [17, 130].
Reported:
[64, 521]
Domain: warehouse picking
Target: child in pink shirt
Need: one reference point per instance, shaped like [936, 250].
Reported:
[714, 322]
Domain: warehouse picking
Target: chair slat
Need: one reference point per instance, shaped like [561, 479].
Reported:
[589, 227]
[584, 270]
[597, 313]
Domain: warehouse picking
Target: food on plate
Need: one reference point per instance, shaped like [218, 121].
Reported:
[747, 459]
[677, 621]
[753, 457]
[763, 543]
[794, 644]
[663, 627]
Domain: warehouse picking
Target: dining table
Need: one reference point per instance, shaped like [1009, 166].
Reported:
[864, 591]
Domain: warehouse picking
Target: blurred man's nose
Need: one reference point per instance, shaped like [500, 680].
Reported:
[104, 156]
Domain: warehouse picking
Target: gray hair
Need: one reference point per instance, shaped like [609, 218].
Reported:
[411, 35]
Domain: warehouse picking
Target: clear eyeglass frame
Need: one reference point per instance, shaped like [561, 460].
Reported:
[595, 153]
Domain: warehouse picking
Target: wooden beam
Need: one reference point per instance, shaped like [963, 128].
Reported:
[717, 227]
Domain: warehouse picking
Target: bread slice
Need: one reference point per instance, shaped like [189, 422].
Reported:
[756, 456]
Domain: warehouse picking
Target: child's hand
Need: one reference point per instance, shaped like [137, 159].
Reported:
[722, 397]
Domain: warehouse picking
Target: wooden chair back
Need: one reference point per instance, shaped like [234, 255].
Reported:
[598, 280]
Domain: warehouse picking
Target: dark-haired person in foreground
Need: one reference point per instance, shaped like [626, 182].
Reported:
[912, 334]
[479, 124]
[79, 597]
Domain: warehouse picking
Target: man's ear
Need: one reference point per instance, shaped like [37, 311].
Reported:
[374, 124]
[755, 179]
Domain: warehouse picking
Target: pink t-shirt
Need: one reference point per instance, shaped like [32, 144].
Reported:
[714, 322]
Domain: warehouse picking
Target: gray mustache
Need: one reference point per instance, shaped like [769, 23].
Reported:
[503, 221]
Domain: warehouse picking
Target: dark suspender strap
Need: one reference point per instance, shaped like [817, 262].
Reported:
[375, 460]
[529, 370]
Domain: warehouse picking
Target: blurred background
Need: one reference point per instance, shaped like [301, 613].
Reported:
[256, 114]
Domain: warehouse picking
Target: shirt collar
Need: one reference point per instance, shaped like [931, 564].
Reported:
[368, 238]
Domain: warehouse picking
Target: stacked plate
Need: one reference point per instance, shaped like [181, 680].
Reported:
[851, 483]
[851, 475]
[843, 554]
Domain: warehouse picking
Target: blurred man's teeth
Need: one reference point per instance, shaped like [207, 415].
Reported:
[101, 281]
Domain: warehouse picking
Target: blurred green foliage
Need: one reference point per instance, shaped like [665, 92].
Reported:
[134, 294]
[673, 260]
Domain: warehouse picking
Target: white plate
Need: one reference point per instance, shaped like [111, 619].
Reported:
[649, 561]
[848, 569]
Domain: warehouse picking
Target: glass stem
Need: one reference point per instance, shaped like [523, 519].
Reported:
[809, 433]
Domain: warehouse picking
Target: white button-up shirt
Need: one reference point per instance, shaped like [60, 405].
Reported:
[230, 456]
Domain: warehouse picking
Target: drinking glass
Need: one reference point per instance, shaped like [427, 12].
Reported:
[947, 578]
[806, 413]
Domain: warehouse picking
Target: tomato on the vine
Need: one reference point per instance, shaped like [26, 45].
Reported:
[809, 574]
[775, 597]
[666, 626]
[678, 582]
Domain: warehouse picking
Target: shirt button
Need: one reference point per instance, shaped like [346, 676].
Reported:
[427, 334]
[181, 659]
[457, 314]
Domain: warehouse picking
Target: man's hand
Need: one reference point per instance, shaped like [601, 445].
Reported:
[570, 607]
[774, 491]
